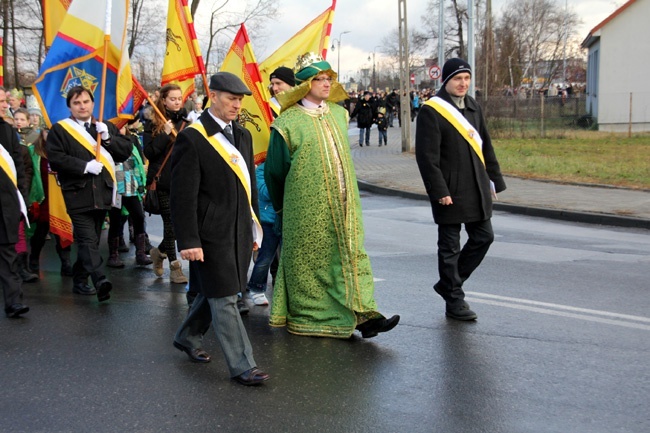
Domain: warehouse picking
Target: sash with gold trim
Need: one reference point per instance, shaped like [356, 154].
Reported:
[82, 136]
[236, 162]
[458, 121]
[8, 166]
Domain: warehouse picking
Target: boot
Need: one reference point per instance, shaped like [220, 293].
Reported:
[122, 247]
[23, 270]
[147, 245]
[157, 259]
[66, 264]
[114, 260]
[140, 256]
[176, 275]
[34, 264]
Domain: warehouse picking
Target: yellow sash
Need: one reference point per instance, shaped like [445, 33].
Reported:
[7, 169]
[236, 162]
[60, 222]
[8, 166]
[87, 141]
[458, 121]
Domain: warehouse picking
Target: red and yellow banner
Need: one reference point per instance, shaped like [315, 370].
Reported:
[314, 37]
[2, 63]
[183, 60]
[255, 114]
[53, 13]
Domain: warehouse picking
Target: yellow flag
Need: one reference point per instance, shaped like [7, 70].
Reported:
[183, 59]
[53, 13]
[314, 37]
[255, 113]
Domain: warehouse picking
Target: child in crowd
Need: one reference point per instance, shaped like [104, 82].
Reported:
[382, 125]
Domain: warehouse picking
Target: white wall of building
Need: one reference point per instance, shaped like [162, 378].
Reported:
[625, 69]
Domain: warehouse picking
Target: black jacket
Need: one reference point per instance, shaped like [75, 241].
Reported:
[68, 158]
[364, 112]
[9, 204]
[210, 208]
[156, 148]
[450, 167]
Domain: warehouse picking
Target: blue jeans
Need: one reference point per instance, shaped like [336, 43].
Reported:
[383, 136]
[367, 134]
[260, 274]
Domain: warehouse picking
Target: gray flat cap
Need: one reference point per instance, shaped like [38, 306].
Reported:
[227, 82]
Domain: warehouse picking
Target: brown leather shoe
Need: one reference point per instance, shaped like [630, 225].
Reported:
[195, 355]
[254, 376]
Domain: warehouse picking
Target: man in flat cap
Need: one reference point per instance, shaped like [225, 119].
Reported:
[461, 175]
[213, 202]
[324, 285]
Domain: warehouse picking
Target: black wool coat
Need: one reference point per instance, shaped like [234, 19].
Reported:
[210, 208]
[155, 148]
[450, 167]
[68, 158]
[9, 204]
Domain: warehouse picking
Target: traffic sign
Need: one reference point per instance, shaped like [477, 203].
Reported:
[435, 72]
[412, 78]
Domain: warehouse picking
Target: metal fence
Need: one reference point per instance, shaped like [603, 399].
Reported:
[538, 116]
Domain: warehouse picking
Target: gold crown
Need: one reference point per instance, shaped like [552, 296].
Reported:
[305, 60]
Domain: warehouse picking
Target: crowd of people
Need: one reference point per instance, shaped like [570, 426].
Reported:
[298, 213]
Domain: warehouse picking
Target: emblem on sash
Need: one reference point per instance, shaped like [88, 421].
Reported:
[471, 133]
[234, 159]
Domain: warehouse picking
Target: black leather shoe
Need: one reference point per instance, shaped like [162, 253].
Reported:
[83, 289]
[16, 310]
[196, 355]
[104, 288]
[459, 310]
[254, 376]
[373, 327]
[242, 307]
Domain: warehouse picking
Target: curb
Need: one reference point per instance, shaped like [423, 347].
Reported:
[558, 214]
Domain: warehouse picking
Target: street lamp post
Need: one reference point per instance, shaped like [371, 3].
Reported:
[374, 72]
[338, 54]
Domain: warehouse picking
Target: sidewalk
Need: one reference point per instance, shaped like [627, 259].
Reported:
[386, 170]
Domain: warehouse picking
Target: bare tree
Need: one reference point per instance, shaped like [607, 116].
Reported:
[255, 16]
[537, 29]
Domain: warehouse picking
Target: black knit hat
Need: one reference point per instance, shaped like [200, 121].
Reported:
[284, 74]
[453, 67]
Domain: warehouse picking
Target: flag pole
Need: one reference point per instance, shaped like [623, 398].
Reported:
[153, 105]
[107, 39]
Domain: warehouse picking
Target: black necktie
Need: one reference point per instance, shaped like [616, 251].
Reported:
[87, 126]
[227, 131]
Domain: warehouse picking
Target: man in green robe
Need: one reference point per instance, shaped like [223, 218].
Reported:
[324, 285]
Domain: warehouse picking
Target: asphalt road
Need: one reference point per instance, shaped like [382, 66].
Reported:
[561, 345]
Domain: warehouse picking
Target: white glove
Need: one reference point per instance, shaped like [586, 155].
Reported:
[94, 166]
[103, 130]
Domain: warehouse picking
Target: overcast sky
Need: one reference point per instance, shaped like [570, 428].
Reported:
[370, 20]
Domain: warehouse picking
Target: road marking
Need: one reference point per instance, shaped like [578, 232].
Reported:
[617, 319]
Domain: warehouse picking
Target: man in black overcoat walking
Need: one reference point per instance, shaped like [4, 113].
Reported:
[461, 175]
[88, 185]
[12, 202]
[213, 201]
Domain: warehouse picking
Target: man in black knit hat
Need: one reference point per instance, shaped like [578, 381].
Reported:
[461, 175]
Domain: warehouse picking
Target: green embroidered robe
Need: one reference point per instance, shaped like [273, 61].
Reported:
[324, 285]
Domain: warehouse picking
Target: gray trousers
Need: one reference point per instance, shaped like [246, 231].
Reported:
[228, 326]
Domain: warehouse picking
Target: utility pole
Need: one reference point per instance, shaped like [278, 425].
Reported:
[404, 77]
[441, 37]
[470, 42]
